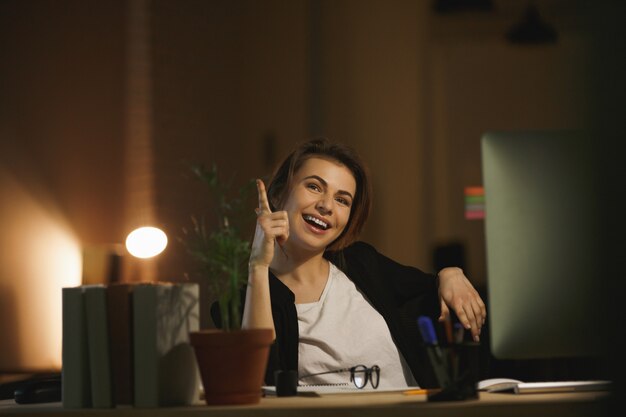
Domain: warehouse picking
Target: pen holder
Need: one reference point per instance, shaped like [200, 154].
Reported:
[457, 370]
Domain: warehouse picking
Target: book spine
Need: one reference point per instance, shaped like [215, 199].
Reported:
[119, 314]
[165, 367]
[145, 356]
[179, 314]
[99, 347]
[76, 382]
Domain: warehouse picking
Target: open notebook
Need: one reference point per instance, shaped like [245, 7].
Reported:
[547, 387]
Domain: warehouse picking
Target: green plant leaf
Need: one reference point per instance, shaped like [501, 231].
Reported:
[221, 252]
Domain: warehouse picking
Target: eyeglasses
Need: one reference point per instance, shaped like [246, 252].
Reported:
[359, 375]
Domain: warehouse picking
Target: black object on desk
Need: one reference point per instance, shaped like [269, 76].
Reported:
[42, 389]
[286, 383]
[8, 387]
[455, 366]
[463, 373]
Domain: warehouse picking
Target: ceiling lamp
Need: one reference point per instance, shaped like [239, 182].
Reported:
[532, 29]
[453, 6]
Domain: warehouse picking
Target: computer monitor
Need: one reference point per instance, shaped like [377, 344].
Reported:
[543, 245]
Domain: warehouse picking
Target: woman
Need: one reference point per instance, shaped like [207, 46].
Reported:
[333, 302]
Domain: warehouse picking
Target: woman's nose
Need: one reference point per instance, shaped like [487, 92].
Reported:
[325, 204]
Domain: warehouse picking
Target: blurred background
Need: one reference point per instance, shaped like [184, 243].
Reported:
[103, 105]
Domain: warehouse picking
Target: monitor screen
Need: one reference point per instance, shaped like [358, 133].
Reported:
[542, 243]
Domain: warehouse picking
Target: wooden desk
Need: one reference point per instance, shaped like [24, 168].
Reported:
[358, 405]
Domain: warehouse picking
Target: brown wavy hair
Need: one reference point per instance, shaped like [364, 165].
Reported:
[280, 184]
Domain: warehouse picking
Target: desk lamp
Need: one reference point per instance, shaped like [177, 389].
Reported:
[146, 242]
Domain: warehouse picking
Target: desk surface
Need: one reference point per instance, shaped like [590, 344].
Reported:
[361, 405]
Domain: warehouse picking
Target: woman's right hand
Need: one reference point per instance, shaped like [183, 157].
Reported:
[271, 227]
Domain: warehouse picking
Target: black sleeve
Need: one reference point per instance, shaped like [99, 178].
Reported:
[284, 351]
[406, 283]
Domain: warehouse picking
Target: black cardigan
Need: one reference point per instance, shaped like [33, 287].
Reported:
[399, 293]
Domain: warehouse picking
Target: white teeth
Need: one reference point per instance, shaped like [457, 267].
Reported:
[316, 221]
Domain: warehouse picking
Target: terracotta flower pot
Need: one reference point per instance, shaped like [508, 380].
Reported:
[232, 364]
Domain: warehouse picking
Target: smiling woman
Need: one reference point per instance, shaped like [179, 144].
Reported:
[343, 156]
[333, 302]
[318, 206]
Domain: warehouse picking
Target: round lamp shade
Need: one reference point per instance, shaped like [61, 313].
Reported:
[146, 242]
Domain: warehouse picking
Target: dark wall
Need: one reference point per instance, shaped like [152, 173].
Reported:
[62, 83]
[240, 82]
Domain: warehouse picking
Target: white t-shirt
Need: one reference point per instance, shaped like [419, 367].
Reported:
[342, 330]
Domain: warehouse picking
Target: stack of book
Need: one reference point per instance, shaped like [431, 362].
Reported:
[128, 344]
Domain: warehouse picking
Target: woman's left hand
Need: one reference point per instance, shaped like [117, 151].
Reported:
[456, 292]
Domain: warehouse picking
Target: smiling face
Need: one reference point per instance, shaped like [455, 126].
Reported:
[319, 203]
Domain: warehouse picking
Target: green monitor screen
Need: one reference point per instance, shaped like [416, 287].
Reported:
[542, 245]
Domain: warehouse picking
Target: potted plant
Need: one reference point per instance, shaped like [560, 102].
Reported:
[232, 361]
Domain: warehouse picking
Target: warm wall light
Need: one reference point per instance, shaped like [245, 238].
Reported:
[40, 255]
[146, 242]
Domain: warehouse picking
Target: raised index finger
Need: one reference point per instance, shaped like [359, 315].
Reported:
[264, 204]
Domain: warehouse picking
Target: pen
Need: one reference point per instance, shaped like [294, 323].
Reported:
[421, 391]
[427, 330]
[440, 366]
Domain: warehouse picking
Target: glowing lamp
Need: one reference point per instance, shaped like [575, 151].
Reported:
[146, 242]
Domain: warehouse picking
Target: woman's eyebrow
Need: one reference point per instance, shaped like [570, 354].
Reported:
[325, 184]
